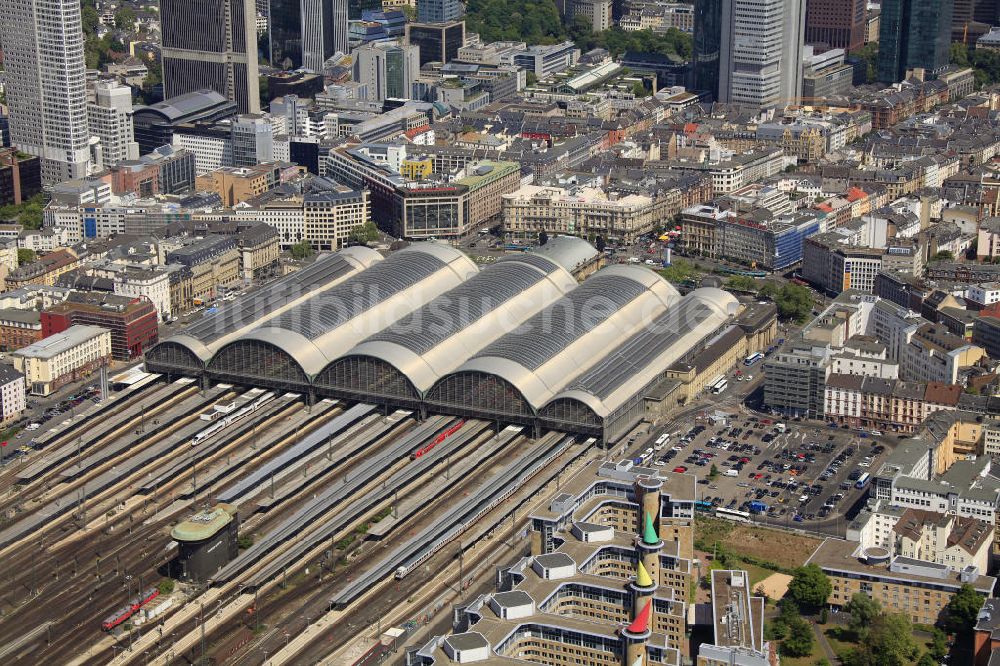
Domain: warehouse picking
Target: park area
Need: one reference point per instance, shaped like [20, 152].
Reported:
[760, 550]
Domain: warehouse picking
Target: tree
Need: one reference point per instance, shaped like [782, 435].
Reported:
[889, 643]
[799, 642]
[870, 55]
[863, 610]
[743, 283]
[25, 256]
[939, 645]
[125, 19]
[809, 587]
[713, 471]
[364, 234]
[244, 541]
[91, 19]
[824, 615]
[794, 301]
[927, 660]
[959, 54]
[943, 255]
[301, 250]
[166, 586]
[600, 244]
[543, 237]
[530, 78]
[963, 609]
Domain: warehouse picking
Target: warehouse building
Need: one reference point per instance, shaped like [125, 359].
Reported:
[519, 341]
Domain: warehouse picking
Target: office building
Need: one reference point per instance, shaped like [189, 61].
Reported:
[131, 321]
[20, 176]
[155, 125]
[109, 118]
[760, 57]
[837, 24]
[438, 42]
[324, 31]
[913, 34]
[284, 24]
[211, 44]
[45, 84]
[439, 11]
[387, 69]
[252, 140]
[19, 328]
[63, 358]
[825, 75]
[707, 46]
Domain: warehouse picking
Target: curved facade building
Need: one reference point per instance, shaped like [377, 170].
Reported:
[190, 351]
[292, 348]
[515, 376]
[402, 362]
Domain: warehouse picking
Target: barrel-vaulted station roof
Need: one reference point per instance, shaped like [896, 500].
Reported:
[519, 340]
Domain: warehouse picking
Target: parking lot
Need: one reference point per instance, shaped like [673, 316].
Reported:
[806, 475]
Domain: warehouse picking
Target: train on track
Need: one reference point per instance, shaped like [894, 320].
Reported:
[231, 417]
[125, 612]
[427, 448]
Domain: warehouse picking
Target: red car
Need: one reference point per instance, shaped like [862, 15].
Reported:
[744, 460]
[680, 470]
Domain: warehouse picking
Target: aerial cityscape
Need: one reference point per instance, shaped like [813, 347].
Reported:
[559, 332]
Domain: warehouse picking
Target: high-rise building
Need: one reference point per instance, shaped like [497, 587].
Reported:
[253, 141]
[388, 69]
[707, 46]
[913, 34]
[437, 11]
[284, 24]
[211, 44]
[438, 42]
[760, 55]
[324, 31]
[109, 118]
[839, 24]
[45, 79]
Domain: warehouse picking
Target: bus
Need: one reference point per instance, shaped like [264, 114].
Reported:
[733, 514]
[753, 358]
[862, 480]
[719, 384]
[702, 505]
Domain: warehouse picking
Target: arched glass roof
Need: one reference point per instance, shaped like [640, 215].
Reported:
[437, 338]
[559, 343]
[212, 331]
[324, 327]
[648, 353]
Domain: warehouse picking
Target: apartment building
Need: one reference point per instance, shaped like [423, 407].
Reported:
[582, 211]
[19, 328]
[934, 354]
[12, 397]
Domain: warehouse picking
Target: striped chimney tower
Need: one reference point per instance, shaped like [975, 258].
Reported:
[635, 635]
[649, 546]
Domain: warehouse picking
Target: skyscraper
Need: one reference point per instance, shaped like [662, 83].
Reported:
[840, 24]
[211, 44]
[913, 34]
[324, 31]
[109, 118]
[46, 84]
[707, 46]
[438, 11]
[760, 53]
[284, 24]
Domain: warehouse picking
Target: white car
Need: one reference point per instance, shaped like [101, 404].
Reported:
[874, 433]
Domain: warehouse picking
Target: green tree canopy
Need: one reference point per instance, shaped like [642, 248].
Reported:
[799, 642]
[301, 250]
[364, 233]
[963, 609]
[743, 283]
[25, 256]
[125, 19]
[793, 300]
[889, 643]
[809, 587]
[863, 610]
[943, 255]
